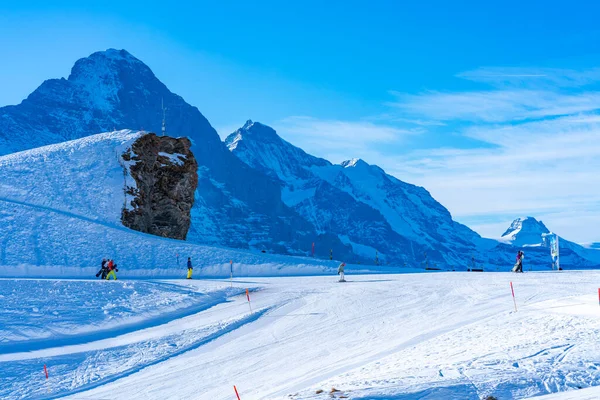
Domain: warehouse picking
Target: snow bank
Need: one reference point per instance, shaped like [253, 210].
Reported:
[48, 312]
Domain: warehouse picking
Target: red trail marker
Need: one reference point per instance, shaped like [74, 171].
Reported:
[236, 392]
[46, 371]
[248, 297]
[513, 295]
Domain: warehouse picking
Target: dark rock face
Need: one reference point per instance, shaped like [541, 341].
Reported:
[165, 172]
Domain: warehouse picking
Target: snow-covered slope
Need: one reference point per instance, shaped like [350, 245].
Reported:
[387, 337]
[234, 205]
[60, 209]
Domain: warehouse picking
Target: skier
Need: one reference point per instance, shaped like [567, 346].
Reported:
[190, 269]
[519, 264]
[112, 270]
[102, 269]
[341, 272]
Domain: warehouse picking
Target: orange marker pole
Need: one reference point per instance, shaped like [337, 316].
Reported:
[248, 297]
[231, 272]
[513, 294]
[46, 371]
[236, 392]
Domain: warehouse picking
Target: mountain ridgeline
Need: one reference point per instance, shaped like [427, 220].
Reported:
[255, 190]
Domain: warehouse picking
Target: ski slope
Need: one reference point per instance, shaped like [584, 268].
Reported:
[407, 336]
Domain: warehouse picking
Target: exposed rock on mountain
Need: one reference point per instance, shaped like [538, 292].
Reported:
[165, 172]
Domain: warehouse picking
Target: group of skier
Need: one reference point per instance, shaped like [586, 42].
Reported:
[517, 268]
[108, 270]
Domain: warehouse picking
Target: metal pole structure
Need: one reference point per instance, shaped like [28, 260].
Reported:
[557, 254]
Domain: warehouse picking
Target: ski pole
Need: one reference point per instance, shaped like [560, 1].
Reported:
[236, 392]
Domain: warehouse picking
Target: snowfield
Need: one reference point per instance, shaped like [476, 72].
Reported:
[451, 335]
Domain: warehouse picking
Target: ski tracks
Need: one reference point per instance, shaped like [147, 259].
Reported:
[102, 359]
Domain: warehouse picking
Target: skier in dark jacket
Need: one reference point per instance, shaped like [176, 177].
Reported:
[103, 271]
[190, 269]
[341, 271]
[519, 264]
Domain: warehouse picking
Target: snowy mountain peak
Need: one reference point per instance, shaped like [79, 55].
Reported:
[526, 225]
[352, 163]
[259, 132]
[525, 231]
[103, 64]
[253, 131]
[261, 147]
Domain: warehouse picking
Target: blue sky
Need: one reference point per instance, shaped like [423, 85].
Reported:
[492, 107]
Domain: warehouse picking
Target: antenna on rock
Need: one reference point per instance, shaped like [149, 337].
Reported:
[164, 121]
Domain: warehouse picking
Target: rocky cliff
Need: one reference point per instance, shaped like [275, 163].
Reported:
[165, 173]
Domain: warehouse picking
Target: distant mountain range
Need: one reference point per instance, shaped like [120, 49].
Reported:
[257, 191]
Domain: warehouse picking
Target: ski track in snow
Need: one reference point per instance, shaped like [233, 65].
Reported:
[411, 336]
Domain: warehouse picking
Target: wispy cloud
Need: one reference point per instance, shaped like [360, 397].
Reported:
[339, 140]
[494, 105]
[549, 78]
[541, 157]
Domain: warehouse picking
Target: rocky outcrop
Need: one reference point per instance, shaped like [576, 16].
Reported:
[165, 173]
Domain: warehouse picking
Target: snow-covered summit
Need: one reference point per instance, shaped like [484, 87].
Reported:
[260, 147]
[354, 162]
[525, 231]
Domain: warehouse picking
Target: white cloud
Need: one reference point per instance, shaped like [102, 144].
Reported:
[494, 105]
[339, 140]
[551, 78]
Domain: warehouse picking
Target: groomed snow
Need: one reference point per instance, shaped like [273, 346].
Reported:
[407, 336]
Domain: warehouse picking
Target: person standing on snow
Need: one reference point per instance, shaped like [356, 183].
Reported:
[190, 268]
[519, 264]
[341, 272]
[102, 269]
[112, 270]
